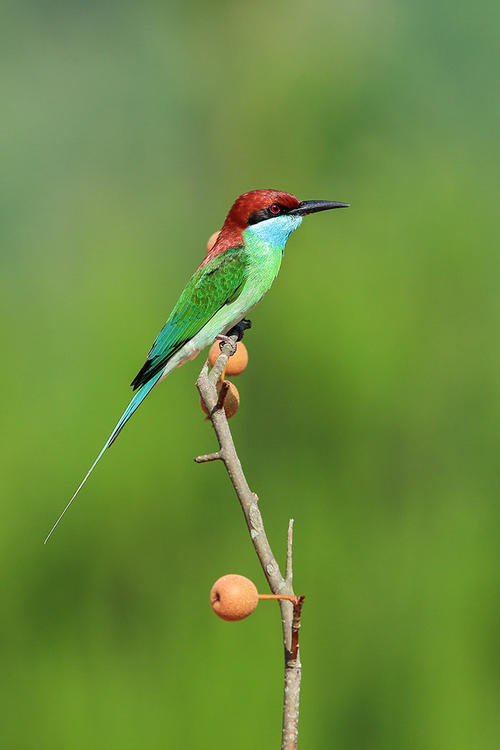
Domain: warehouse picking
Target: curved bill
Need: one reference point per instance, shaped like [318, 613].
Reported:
[311, 207]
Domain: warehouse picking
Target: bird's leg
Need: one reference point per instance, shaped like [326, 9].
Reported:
[240, 328]
[237, 330]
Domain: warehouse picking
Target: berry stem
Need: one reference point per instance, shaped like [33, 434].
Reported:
[293, 599]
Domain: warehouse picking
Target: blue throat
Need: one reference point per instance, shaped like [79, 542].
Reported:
[275, 231]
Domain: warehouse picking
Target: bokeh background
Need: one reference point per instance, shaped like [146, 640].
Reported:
[370, 408]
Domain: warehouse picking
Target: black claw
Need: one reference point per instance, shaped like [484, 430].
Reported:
[240, 328]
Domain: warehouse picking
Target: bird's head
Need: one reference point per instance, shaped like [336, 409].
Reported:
[271, 215]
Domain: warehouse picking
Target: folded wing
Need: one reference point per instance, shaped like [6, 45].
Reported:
[212, 286]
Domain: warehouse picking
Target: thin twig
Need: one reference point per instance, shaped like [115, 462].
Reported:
[289, 561]
[209, 457]
[291, 606]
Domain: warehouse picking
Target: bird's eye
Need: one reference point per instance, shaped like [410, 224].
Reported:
[275, 208]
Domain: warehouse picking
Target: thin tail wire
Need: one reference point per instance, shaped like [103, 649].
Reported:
[133, 405]
[76, 493]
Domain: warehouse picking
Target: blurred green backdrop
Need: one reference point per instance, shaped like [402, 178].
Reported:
[370, 408]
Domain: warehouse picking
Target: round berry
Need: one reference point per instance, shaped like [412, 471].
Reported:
[212, 240]
[231, 402]
[238, 362]
[235, 364]
[233, 597]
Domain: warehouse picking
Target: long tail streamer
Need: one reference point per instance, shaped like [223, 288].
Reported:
[136, 401]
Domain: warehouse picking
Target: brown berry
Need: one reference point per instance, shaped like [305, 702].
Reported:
[231, 402]
[213, 353]
[235, 364]
[212, 240]
[233, 597]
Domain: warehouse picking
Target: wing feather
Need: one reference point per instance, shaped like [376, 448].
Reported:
[212, 286]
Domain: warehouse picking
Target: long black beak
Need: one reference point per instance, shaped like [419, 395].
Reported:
[311, 207]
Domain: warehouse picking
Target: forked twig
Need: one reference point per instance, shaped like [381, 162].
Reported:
[290, 605]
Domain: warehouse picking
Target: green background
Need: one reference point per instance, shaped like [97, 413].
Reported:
[370, 408]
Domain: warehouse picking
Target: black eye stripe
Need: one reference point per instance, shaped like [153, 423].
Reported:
[257, 216]
[266, 213]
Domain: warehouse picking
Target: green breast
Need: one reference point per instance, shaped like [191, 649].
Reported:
[264, 261]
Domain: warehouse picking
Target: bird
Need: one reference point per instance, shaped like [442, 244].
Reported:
[231, 280]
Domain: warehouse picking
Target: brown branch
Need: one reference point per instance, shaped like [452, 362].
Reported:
[209, 457]
[293, 674]
[222, 394]
[297, 611]
[291, 605]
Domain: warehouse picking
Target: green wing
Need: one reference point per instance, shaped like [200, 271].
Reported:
[210, 288]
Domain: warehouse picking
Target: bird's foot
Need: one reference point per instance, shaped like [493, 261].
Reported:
[237, 330]
[240, 328]
[227, 340]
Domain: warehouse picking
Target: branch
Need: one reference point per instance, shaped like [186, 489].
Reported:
[289, 566]
[291, 607]
[209, 457]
